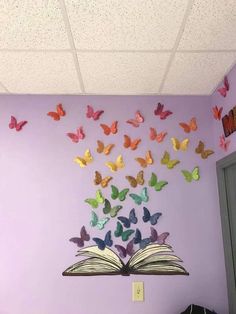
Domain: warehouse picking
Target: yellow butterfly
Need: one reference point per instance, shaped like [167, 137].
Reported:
[118, 164]
[148, 160]
[104, 149]
[86, 159]
[177, 145]
[99, 180]
[135, 181]
[170, 164]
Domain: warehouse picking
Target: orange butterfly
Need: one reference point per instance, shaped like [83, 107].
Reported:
[217, 112]
[144, 162]
[104, 149]
[108, 130]
[159, 137]
[188, 127]
[132, 144]
[138, 119]
[60, 112]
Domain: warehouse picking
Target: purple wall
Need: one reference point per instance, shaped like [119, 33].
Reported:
[41, 206]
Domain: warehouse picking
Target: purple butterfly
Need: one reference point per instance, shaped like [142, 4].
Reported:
[138, 239]
[127, 221]
[160, 239]
[84, 236]
[148, 217]
[103, 243]
[129, 250]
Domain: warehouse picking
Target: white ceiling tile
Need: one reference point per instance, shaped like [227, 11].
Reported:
[197, 73]
[38, 72]
[32, 24]
[122, 73]
[210, 26]
[122, 24]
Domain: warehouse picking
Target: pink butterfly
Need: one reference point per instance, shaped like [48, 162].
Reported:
[159, 111]
[18, 126]
[223, 143]
[154, 136]
[95, 115]
[79, 135]
[137, 120]
[160, 239]
[223, 90]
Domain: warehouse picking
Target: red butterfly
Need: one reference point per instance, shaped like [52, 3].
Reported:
[159, 111]
[138, 119]
[60, 112]
[18, 126]
[95, 115]
[217, 112]
[159, 137]
[79, 135]
[223, 90]
[223, 143]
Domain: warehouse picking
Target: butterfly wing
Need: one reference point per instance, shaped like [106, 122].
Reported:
[97, 114]
[185, 127]
[105, 181]
[121, 250]
[138, 117]
[132, 181]
[144, 242]
[133, 122]
[114, 210]
[84, 235]
[81, 161]
[140, 178]
[90, 111]
[54, 115]
[13, 123]
[137, 199]
[87, 156]
[78, 241]
[217, 112]
[60, 111]
[193, 124]
[130, 248]
[207, 153]
[114, 127]
[162, 238]
[159, 109]
[175, 143]
[165, 114]
[153, 179]
[184, 144]
[134, 144]
[92, 202]
[160, 185]
[122, 194]
[200, 148]
[111, 165]
[146, 214]
[98, 178]
[154, 218]
[108, 149]
[137, 236]
[172, 163]
[161, 136]
[106, 129]
[100, 243]
[142, 162]
[94, 219]
[132, 217]
[108, 241]
[101, 223]
[222, 91]
[196, 174]
[125, 221]
[119, 230]
[152, 134]
[187, 175]
[154, 234]
[114, 192]
[149, 158]
[119, 162]
[100, 147]
[74, 137]
[80, 133]
[226, 83]
[107, 207]
[20, 125]
[99, 197]
[144, 195]
[126, 234]
[165, 159]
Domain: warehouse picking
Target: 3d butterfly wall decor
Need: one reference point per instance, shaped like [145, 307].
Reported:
[104, 149]
[119, 232]
[224, 144]
[178, 145]
[157, 185]
[96, 222]
[16, 125]
[85, 160]
[135, 181]
[144, 162]
[103, 243]
[132, 144]
[139, 198]
[118, 164]
[110, 129]
[124, 251]
[217, 112]
[147, 217]
[100, 180]
[170, 164]
[160, 239]
[200, 149]
[191, 175]
[154, 136]
[223, 90]
[159, 111]
[76, 137]
[84, 236]
[127, 221]
[94, 202]
[190, 126]
[108, 209]
[143, 242]
[95, 115]
[116, 194]
[137, 120]
[56, 115]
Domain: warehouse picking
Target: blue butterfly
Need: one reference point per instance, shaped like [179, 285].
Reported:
[148, 217]
[143, 197]
[127, 221]
[138, 239]
[103, 243]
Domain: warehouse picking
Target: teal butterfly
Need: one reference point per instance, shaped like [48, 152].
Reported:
[143, 197]
[108, 209]
[190, 176]
[115, 193]
[99, 223]
[94, 202]
[119, 232]
[157, 185]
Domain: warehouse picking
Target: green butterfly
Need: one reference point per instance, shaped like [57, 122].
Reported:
[111, 210]
[170, 164]
[116, 194]
[157, 185]
[143, 197]
[94, 202]
[99, 223]
[124, 234]
[189, 176]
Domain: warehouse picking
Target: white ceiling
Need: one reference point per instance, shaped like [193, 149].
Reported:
[115, 46]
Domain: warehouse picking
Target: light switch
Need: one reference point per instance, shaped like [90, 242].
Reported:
[138, 291]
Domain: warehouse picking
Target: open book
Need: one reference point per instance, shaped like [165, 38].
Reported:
[154, 259]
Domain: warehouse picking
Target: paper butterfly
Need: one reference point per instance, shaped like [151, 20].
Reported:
[143, 197]
[157, 185]
[190, 176]
[144, 162]
[79, 135]
[119, 232]
[160, 239]
[84, 236]
[115, 193]
[188, 127]
[108, 130]
[223, 90]
[92, 114]
[135, 181]
[154, 136]
[14, 125]
[148, 217]
[99, 180]
[99, 223]
[111, 210]
[60, 112]
[217, 112]
[128, 143]
[103, 243]
[118, 164]
[159, 111]
[94, 202]
[127, 221]
[200, 149]
[170, 164]
[85, 160]
[104, 149]
[177, 145]
[137, 120]
[223, 143]
[138, 239]
[124, 251]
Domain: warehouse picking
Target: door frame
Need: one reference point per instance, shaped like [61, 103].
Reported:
[230, 272]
